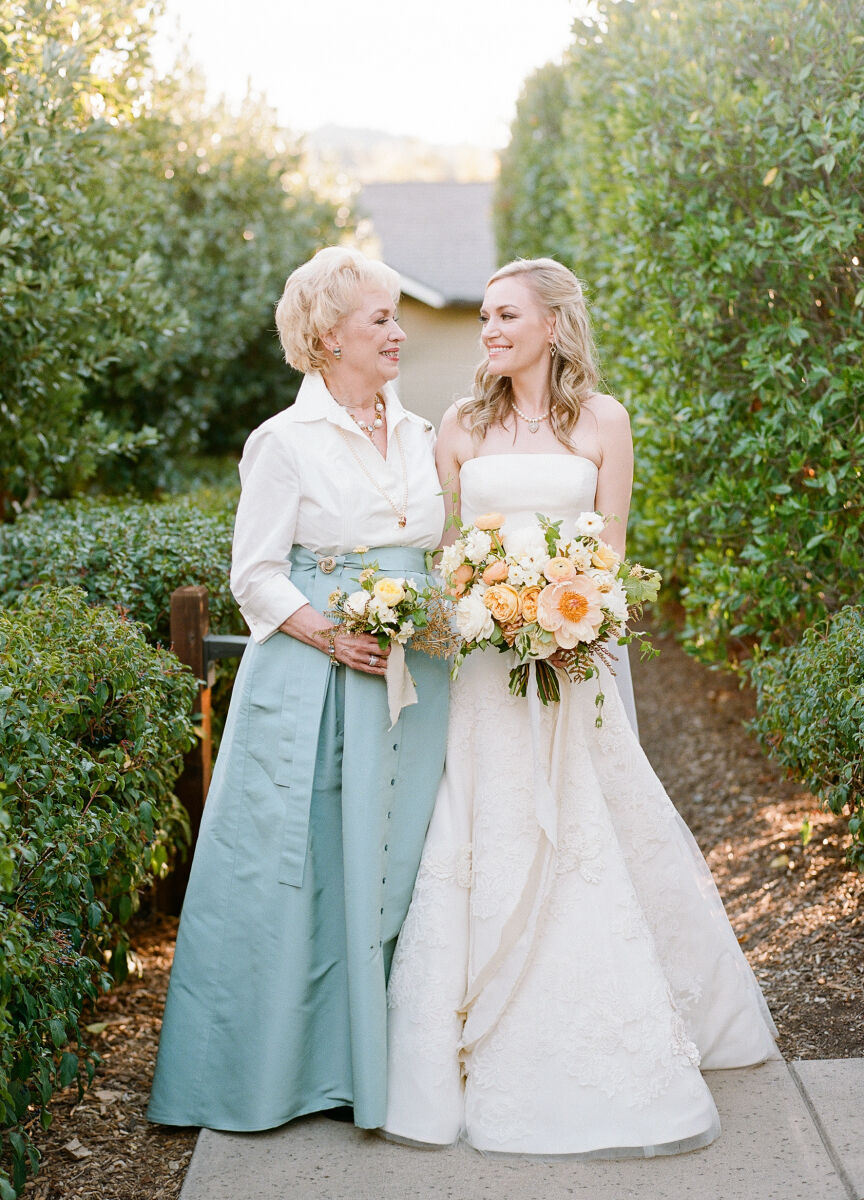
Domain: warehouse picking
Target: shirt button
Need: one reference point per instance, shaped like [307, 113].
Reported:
[384, 880]
[392, 782]
[385, 849]
[396, 746]
[388, 816]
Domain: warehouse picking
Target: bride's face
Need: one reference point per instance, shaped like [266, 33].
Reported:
[517, 329]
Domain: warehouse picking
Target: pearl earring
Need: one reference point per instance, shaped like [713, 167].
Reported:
[337, 351]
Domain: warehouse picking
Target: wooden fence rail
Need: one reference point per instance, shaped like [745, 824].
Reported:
[199, 649]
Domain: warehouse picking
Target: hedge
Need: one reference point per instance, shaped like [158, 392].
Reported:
[710, 156]
[93, 726]
[130, 554]
[810, 702]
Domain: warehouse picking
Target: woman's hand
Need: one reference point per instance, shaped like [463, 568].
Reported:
[361, 652]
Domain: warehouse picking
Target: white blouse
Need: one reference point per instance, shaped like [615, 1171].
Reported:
[302, 484]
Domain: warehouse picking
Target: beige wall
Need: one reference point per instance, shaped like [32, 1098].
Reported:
[439, 356]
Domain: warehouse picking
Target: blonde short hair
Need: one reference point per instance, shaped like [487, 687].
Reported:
[322, 293]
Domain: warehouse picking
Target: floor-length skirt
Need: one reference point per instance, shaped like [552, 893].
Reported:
[302, 875]
[566, 965]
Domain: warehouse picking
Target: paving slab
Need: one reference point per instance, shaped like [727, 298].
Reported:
[834, 1092]
[770, 1149]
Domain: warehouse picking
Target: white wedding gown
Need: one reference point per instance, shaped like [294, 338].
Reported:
[566, 962]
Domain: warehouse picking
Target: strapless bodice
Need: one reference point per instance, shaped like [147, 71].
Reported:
[560, 486]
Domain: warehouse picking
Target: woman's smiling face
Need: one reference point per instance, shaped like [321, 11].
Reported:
[517, 329]
[369, 337]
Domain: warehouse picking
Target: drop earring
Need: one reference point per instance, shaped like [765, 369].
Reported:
[337, 351]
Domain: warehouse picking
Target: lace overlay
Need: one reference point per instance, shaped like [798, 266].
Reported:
[555, 994]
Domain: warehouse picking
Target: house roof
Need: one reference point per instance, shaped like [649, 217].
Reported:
[438, 236]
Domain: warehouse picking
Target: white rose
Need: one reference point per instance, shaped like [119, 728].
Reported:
[473, 618]
[477, 546]
[356, 602]
[379, 609]
[452, 557]
[527, 542]
[589, 524]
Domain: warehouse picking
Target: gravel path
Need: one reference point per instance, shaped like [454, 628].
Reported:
[797, 912]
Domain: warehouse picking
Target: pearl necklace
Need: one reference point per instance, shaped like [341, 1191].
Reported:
[402, 508]
[378, 421]
[533, 423]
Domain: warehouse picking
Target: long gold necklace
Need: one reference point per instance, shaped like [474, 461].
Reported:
[401, 509]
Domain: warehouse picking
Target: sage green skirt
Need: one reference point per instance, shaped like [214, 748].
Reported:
[301, 879]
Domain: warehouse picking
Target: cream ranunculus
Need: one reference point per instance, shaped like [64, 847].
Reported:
[389, 591]
[473, 618]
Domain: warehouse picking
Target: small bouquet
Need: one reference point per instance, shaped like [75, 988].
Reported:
[531, 591]
[395, 611]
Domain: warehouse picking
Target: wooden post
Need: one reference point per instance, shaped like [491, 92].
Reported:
[190, 624]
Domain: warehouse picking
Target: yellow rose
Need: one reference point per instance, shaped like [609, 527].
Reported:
[528, 598]
[604, 558]
[489, 521]
[502, 601]
[496, 572]
[389, 591]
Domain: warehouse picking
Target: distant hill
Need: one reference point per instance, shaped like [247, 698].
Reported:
[373, 156]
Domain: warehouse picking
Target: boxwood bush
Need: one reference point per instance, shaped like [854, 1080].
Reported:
[129, 554]
[811, 715]
[93, 725]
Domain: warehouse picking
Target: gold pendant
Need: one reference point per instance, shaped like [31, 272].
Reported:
[403, 521]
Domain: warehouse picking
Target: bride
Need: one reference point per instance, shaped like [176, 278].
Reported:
[556, 993]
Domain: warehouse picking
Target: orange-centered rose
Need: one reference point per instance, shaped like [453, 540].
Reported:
[496, 572]
[571, 611]
[489, 521]
[502, 601]
[559, 570]
[528, 598]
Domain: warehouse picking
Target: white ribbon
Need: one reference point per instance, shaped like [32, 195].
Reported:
[400, 686]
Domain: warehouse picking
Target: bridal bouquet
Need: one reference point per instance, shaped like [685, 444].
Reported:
[395, 611]
[531, 591]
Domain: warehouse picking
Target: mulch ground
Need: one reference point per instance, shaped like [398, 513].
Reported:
[796, 909]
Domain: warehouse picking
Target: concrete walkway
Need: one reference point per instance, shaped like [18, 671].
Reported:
[789, 1133]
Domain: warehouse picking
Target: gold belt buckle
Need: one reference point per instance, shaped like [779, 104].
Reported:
[327, 564]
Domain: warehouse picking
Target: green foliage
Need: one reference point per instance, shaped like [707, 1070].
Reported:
[811, 715]
[711, 152]
[131, 555]
[144, 238]
[93, 725]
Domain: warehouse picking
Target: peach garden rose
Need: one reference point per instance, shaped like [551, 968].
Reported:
[502, 601]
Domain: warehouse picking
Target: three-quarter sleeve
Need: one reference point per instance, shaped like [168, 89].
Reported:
[264, 534]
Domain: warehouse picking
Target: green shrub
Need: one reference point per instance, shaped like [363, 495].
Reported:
[93, 726]
[810, 700]
[710, 152]
[128, 554]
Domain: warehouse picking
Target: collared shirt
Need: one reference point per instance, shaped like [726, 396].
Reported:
[303, 484]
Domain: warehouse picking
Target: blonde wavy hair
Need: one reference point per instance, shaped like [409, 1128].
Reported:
[322, 293]
[574, 373]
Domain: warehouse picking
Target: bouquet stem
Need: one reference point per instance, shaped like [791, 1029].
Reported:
[548, 687]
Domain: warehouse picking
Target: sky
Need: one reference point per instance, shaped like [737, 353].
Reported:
[445, 71]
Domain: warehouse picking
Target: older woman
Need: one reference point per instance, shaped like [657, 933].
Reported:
[315, 820]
